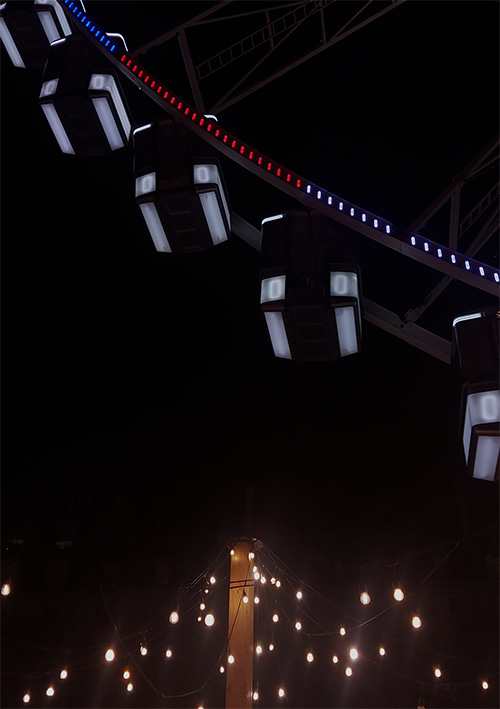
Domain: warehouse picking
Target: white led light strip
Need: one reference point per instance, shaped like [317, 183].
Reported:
[372, 225]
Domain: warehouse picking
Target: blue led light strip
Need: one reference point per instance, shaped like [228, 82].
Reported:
[259, 162]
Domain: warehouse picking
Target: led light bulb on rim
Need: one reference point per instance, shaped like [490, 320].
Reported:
[353, 653]
[437, 672]
[168, 653]
[174, 617]
[365, 598]
[310, 657]
[398, 594]
[27, 697]
[110, 655]
[209, 620]
[416, 621]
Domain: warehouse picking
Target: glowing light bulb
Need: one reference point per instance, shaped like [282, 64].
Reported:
[143, 650]
[271, 647]
[168, 653]
[310, 657]
[222, 669]
[245, 597]
[199, 619]
[126, 674]
[232, 552]
[27, 697]
[63, 674]
[206, 590]
[254, 569]
[298, 625]
[348, 671]
[278, 583]
[258, 649]
[275, 618]
[281, 692]
[263, 579]
[230, 659]
[173, 617]
[255, 696]
[273, 580]
[110, 655]
[299, 595]
[202, 606]
[335, 659]
[437, 672]
[50, 691]
[256, 576]
[256, 600]
[398, 594]
[365, 598]
[416, 621]
[484, 684]
[353, 653]
[381, 651]
[209, 619]
[342, 630]
[212, 580]
[5, 590]
[251, 556]
[130, 687]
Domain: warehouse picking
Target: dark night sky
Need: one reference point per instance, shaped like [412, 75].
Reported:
[155, 371]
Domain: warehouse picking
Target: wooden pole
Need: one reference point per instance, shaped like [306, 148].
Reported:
[239, 677]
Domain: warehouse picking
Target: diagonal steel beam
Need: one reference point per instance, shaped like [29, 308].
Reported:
[292, 65]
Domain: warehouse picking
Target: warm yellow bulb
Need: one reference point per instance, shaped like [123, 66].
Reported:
[202, 606]
[348, 671]
[335, 659]
[5, 590]
[437, 672]
[365, 598]
[251, 556]
[278, 583]
[130, 687]
[353, 653]
[273, 580]
[230, 659]
[299, 595]
[209, 619]
[256, 600]
[484, 684]
[342, 630]
[271, 647]
[256, 576]
[255, 696]
[126, 674]
[174, 617]
[298, 625]
[232, 552]
[50, 691]
[168, 653]
[63, 674]
[143, 650]
[416, 621]
[245, 598]
[263, 579]
[27, 697]
[222, 669]
[381, 650]
[281, 692]
[275, 618]
[110, 655]
[398, 594]
[212, 580]
[258, 649]
[310, 657]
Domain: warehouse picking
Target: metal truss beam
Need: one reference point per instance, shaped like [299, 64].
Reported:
[372, 312]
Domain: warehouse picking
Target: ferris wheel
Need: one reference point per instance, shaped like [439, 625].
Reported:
[312, 293]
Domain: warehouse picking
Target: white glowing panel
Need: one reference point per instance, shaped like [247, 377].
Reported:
[271, 219]
[277, 332]
[57, 128]
[272, 289]
[155, 227]
[106, 82]
[108, 122]
[463, 318]
[138, 130]
[346, 329]
[60, 16]
[204, 174]
[483, 407]
[49, 88]
[10, 45]
[213, 216]
[485, 463]
[49, 26]
[145, 184]
[344, 283]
